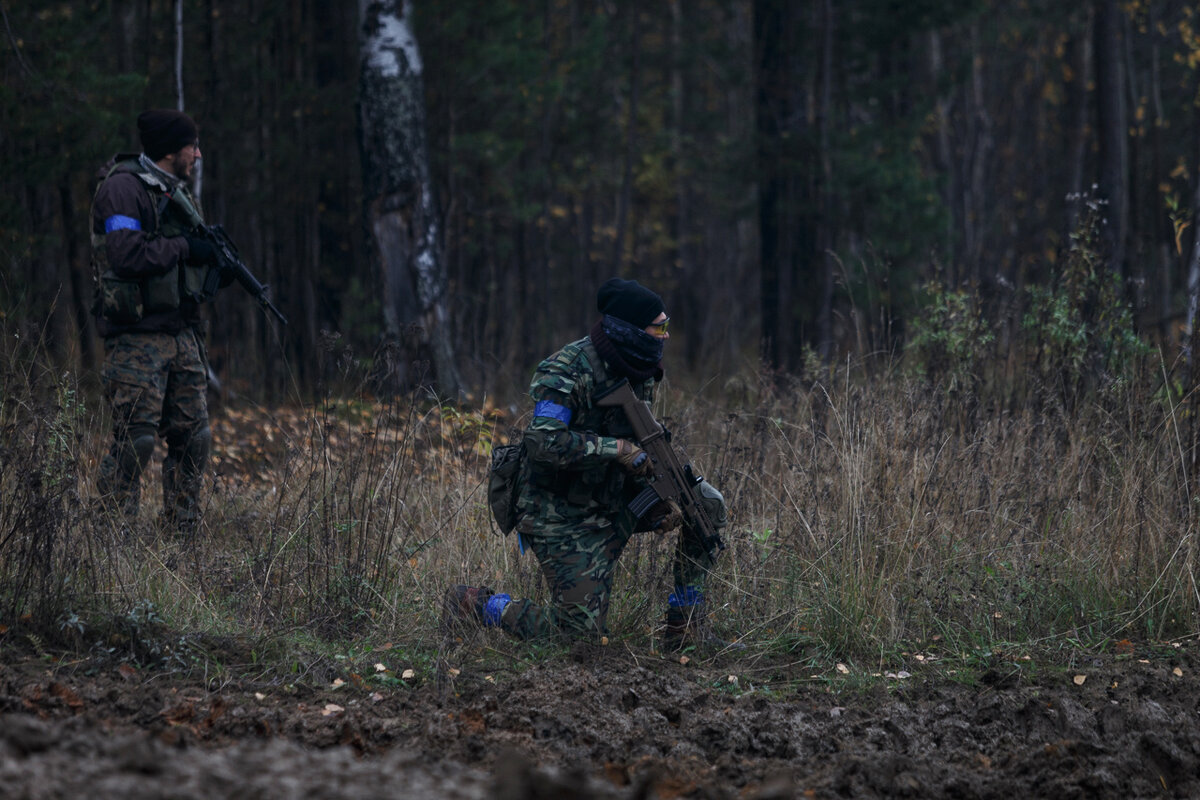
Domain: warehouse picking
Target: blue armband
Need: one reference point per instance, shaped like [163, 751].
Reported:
[120, 222]
[685, 597]
[493, 610]
[548, 408]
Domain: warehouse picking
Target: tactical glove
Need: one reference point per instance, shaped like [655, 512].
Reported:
[200, 251]
[669, 516]
[633, 458]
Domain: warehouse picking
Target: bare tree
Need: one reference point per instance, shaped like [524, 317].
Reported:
[401, 215]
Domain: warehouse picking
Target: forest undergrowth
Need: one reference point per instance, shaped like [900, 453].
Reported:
[871, 516]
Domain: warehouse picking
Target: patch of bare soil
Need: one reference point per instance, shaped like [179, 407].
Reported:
[605, 724]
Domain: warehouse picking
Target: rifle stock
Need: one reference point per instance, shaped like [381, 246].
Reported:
[671, 479]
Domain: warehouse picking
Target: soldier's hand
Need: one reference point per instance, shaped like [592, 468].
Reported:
[633, 458]
[200, 251]
[670, 515]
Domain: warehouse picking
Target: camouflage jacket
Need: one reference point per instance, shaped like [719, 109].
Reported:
[572, 480]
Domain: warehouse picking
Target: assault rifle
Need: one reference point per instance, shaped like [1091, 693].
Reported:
[229, 263]
[671, 479]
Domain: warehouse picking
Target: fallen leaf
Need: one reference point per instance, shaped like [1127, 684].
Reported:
[604, 641]
[1079, 679]
[331, 709]
[454, 670]
[489, 679]
[3, 629]
[732, 679]
[338, 683]
[127, 671]
[380, 668]
[408, 674]
[376, 697]
[1177, 672]
[1125, 647]
[842, 668]
[684, 659]
[259, 696]
[472, 721]
[184, 712]
[76, 702]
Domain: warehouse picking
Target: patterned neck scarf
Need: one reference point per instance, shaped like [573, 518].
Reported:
[632, 352]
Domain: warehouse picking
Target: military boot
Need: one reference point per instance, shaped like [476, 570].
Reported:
[465, 608]
[687, 626]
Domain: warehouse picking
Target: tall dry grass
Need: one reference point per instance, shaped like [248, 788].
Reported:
[867, 516]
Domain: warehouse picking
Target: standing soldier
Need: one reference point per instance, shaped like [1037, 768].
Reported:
[581, 468]
[151, 275]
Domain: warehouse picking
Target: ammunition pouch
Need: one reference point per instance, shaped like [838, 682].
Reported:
[161, 293]
[120, 300]
[603, 485]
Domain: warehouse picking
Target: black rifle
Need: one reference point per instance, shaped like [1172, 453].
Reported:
[671, 479]
[229, 263]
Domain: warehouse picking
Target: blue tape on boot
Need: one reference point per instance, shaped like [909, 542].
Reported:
[494, 609]
[685, 597]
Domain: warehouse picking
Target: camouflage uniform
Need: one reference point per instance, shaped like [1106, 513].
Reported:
[573, 504]
[155, 372]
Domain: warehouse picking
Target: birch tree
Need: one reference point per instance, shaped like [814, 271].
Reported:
[399, 208]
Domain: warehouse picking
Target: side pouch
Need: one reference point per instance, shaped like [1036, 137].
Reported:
[120, 299]
[504, 485]
[162, 292]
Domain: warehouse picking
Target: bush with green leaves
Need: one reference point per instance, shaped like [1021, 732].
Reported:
[951, 341]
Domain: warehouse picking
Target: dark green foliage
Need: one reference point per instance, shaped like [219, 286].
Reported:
[1079, 329]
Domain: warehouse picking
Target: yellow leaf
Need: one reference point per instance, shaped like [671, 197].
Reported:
[604, 641]
[842, 668]
[1079, 679]
[408, 674]
[331, 709]
[338, 683]
[684, 659]
[1180, 227]
[1177, 672]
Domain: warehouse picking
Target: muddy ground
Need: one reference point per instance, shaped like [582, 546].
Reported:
[610, 722]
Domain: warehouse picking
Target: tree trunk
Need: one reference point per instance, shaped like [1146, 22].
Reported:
[1110, 103]
[625, 197]
[1080, 133]
[769, 69]
[401, 216]
[825, 231]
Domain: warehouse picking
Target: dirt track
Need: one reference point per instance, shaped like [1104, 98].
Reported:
[606, 724]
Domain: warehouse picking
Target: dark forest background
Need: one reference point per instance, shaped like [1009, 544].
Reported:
[804, 182]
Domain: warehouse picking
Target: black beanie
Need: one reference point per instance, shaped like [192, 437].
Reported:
[164, 131]
[630, 301]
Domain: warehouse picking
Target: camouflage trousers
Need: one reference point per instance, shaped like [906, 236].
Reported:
[578, 566]
[155, 385]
